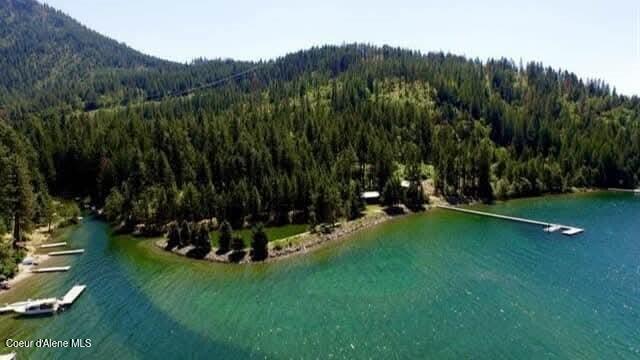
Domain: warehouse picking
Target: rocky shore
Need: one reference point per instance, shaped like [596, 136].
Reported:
[297, 244]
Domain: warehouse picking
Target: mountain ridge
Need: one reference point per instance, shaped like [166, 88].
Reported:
[40, 46]
[48, 60]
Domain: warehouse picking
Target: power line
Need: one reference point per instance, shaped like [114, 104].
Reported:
[205, 86]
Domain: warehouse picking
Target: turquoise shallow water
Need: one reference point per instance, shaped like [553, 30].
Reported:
[436, 285]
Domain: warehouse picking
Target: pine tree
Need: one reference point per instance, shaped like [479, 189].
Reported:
[392, 192]
[185, 234]
[259, 243]
[21, 198]
[204, 240]
[226, 233]
[415, 196]
[173, 237]
[45, 209]
[114, 205]
[326, 202]
[354, 205]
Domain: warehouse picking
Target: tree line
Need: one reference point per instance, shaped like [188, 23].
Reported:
[302, 138]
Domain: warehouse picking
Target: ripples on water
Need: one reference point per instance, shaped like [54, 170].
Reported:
[435, 285]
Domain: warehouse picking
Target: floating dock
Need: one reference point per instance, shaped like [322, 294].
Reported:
[51, 269]
[72, 295]
[47, 246]
[548, 227]
[66, 252]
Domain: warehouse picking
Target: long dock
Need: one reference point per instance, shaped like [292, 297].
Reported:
[53, 245]
[66, 252]
[51, 269]
[635, 191]
[548, 227]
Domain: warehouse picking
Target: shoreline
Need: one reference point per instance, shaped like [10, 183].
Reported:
[305, 242]
[299, 244]
[38, 237]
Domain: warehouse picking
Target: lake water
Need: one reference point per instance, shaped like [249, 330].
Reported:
[435, 285]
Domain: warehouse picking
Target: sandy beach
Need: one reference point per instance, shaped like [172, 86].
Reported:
[36, 238]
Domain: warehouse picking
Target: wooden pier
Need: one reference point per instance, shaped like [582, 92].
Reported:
[47, 246]
[51, 269]
[548, 227]
[66, 252]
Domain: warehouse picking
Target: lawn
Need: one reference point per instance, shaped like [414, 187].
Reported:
[273, 233]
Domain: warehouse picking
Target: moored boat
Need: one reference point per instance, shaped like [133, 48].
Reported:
[38, 307]
[11, 356]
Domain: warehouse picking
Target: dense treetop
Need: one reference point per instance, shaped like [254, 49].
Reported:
[298, 138]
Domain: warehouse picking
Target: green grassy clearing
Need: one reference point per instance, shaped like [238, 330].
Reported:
[273, 233]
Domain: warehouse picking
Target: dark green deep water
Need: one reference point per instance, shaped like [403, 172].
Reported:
[436, 285]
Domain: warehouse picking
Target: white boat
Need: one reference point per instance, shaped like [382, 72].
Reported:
[11, 356]
[552, 228]
[38, 307]
[29, 261]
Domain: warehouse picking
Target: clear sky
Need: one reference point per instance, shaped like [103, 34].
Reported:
[595, 39]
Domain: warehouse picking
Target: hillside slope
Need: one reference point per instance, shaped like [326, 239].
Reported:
[49, 60]
[42, 49]
[306, 133]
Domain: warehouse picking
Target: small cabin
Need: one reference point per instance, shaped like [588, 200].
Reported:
[371, 197]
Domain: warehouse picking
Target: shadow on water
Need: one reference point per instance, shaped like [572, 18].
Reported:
[123, 318]
[407, 289]
[179, 341]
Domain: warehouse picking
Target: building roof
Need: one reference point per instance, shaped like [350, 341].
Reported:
[370, 195]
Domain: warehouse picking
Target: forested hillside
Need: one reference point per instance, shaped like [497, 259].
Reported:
[299, 138]
[48, 60]
[317, 127]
